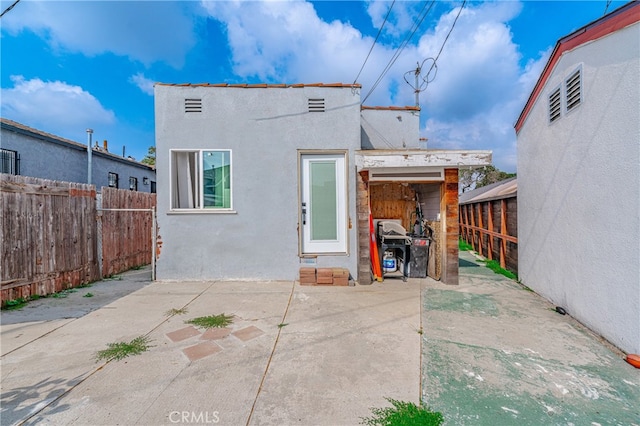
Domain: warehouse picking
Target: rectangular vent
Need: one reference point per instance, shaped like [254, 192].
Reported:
[316, 105]
[574, 92]
[554, 105]
[193, 105]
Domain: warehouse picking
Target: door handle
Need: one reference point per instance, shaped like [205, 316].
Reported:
[304, 213]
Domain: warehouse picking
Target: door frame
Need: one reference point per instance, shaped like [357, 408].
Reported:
[345, 154]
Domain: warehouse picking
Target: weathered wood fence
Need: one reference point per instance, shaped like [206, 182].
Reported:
[50, 235]
[127, 221]
[491, 228]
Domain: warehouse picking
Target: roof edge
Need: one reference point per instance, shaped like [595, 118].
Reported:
[262, 85]
[608, 24]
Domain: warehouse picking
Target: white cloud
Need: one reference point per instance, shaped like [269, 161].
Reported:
[143, 31]
[53, 106]
[279, 41]
[479, 89]
[143, 83]
[473, 102]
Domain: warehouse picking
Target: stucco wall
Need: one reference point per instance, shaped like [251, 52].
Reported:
[63, 162]
[390, 129]
[578, 192]
[264, 128]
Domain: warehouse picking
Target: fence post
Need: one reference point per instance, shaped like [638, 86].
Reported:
[99, 232]
[154, 243]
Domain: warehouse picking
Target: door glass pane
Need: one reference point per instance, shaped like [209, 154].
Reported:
[324, 215]
[216, 179]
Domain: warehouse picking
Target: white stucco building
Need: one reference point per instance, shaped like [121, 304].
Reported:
[257, 181]
[579, 178]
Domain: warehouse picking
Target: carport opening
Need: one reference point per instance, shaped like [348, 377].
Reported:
[417, 208]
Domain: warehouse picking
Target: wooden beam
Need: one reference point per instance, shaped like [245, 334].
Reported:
[503, 232]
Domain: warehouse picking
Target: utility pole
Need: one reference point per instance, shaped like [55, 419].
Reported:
[89, 149]
[421, 83]
[417, 86]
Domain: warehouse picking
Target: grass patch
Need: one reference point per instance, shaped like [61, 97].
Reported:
[495, 267]
[88, 295]
[84, 285]
[174, 311]
[15, 304]
[283, 324]
[137, 268]
[64, 293]
[120, 350]
[464, 246]
[212, 321]
[113, 278]
[403, 414]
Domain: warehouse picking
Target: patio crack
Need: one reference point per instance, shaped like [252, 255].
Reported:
[273, 350]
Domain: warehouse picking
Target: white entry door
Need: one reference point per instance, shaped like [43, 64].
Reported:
[323, 203]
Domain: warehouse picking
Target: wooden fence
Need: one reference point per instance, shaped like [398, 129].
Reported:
[48, 236]
[127, 222]
[53, 237]
[491, 228]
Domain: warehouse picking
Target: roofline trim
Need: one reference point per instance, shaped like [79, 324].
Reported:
[608, 24]
[261, 85]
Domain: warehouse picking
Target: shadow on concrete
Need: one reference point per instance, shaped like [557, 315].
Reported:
[466, 264]
[78, 302]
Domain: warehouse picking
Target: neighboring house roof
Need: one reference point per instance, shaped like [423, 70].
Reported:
[58, 140]
[614, 21]
[260, 86]
[496, 191]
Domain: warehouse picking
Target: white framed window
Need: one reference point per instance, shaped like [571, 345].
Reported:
[201, 180]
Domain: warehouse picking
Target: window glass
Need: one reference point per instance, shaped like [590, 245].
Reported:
[113, 180]
[201, 179]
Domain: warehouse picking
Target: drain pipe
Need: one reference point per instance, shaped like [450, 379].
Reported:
[89, 133]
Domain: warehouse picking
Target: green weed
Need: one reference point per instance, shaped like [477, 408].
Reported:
[464, 246]
[212, 321]
[14, 304]
[120, 350]
[495, 267]
[403, 414]
[283, 324]
[174, 311]
[88, 295]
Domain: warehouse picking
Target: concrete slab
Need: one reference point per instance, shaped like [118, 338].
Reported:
[492, 354]
[497, 354]
[341, 351]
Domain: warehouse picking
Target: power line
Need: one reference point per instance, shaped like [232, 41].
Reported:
[421, 86]
[9, 8]
[423, 14]
[374, 41]
[606, 7]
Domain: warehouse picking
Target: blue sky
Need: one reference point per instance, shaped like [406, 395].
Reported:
[71, 65]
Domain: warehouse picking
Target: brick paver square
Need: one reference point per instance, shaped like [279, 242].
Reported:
[183, 334]
[215, 333]
[201, 350]
[248, 333]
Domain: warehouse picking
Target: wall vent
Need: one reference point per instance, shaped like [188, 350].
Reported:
[316, 105]
[554, 105]
[192, 105]
[574, 90]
